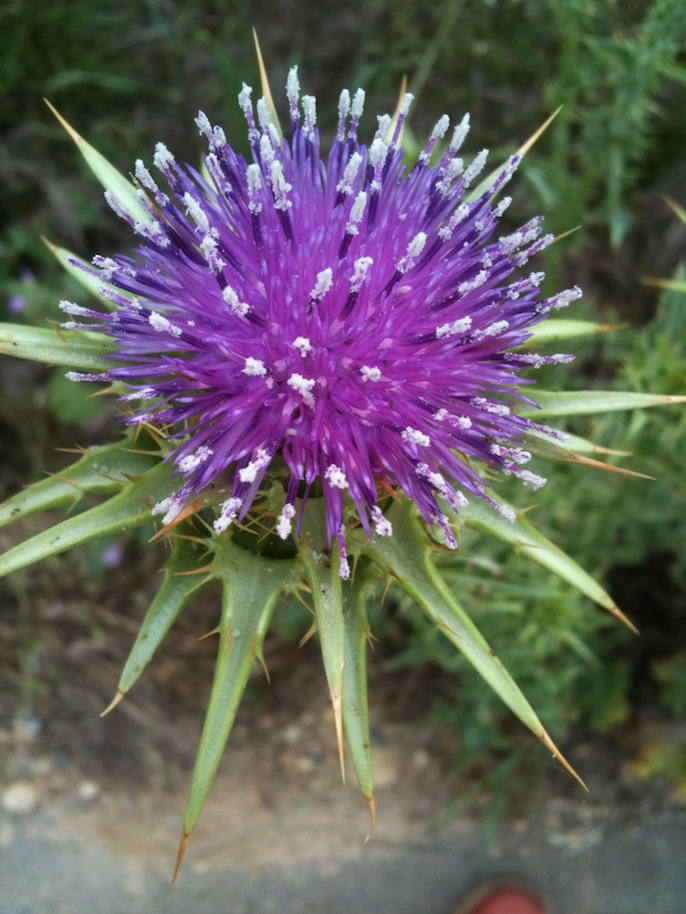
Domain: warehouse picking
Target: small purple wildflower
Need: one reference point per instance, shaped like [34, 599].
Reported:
[16, 302]
[350, 319]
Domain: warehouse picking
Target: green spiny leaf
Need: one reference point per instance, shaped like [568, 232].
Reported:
[175, 591]
[101, 470]
[587, 402]
[529, 541]
[355, 705]
[110, 178]
[562, 329]
[85, 350]
[251, 586]
[130, 508]
[406, 555]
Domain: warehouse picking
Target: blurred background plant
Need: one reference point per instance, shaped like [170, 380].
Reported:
[130, 73]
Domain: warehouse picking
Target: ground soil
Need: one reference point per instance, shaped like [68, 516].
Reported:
[92, 807]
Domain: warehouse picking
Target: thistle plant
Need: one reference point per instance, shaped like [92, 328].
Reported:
[322, 363]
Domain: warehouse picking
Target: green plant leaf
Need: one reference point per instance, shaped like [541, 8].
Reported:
[110, 178]
[83, 274]
[101, 470]
[251, 586]
[129, 508]
[529, 541]
[85, 350]
[176, 589]
[586, 402]
[562, 329]
[406, 555]
[355, 704]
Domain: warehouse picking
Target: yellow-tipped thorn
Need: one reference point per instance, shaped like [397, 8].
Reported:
[188, 511]
[522, 151]
[183, 844]
[401, 95]
[618, 614]
[308, 634]
[549, 744]
[76, 137]
[264, 83]
[396, 113]
[371, 806]
[263, 664]
[113, 704]
[607, 467]
[214, 631]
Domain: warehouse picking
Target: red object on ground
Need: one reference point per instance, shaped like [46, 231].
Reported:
[501, 899]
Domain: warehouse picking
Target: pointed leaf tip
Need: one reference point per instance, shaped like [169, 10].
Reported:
[113, 704]
[549, 744]
[264, 84]
[183, 844]
[371, 806]
[110, 178]
[525, 147]
[618, 614]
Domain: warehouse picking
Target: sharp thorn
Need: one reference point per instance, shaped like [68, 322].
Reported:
[113, 704]
[183, 844]
[549, 744]
[522, 151]
[371, 806]
[618, 614]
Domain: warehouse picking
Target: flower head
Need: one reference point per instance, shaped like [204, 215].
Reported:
[350, 319]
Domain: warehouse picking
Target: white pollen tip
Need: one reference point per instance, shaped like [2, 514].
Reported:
[404, 107]
[452, 329]
[238, 307]
[324, 283]
[441, 128]
[285, 522]
[303, 345]
[370, 373]
[303, 386]
[160, 323]
[357, 105]
[228, 513]
[335, 476]
[194, 460]
[254, 367]
[414, 436]
[382, 526]
[361, 268]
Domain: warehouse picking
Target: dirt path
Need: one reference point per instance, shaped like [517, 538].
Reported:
[281, 833]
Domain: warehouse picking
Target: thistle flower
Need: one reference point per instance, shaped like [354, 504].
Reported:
[349, 321]
[320, 362]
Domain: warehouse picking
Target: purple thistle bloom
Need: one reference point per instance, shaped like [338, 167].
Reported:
[351, 320]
